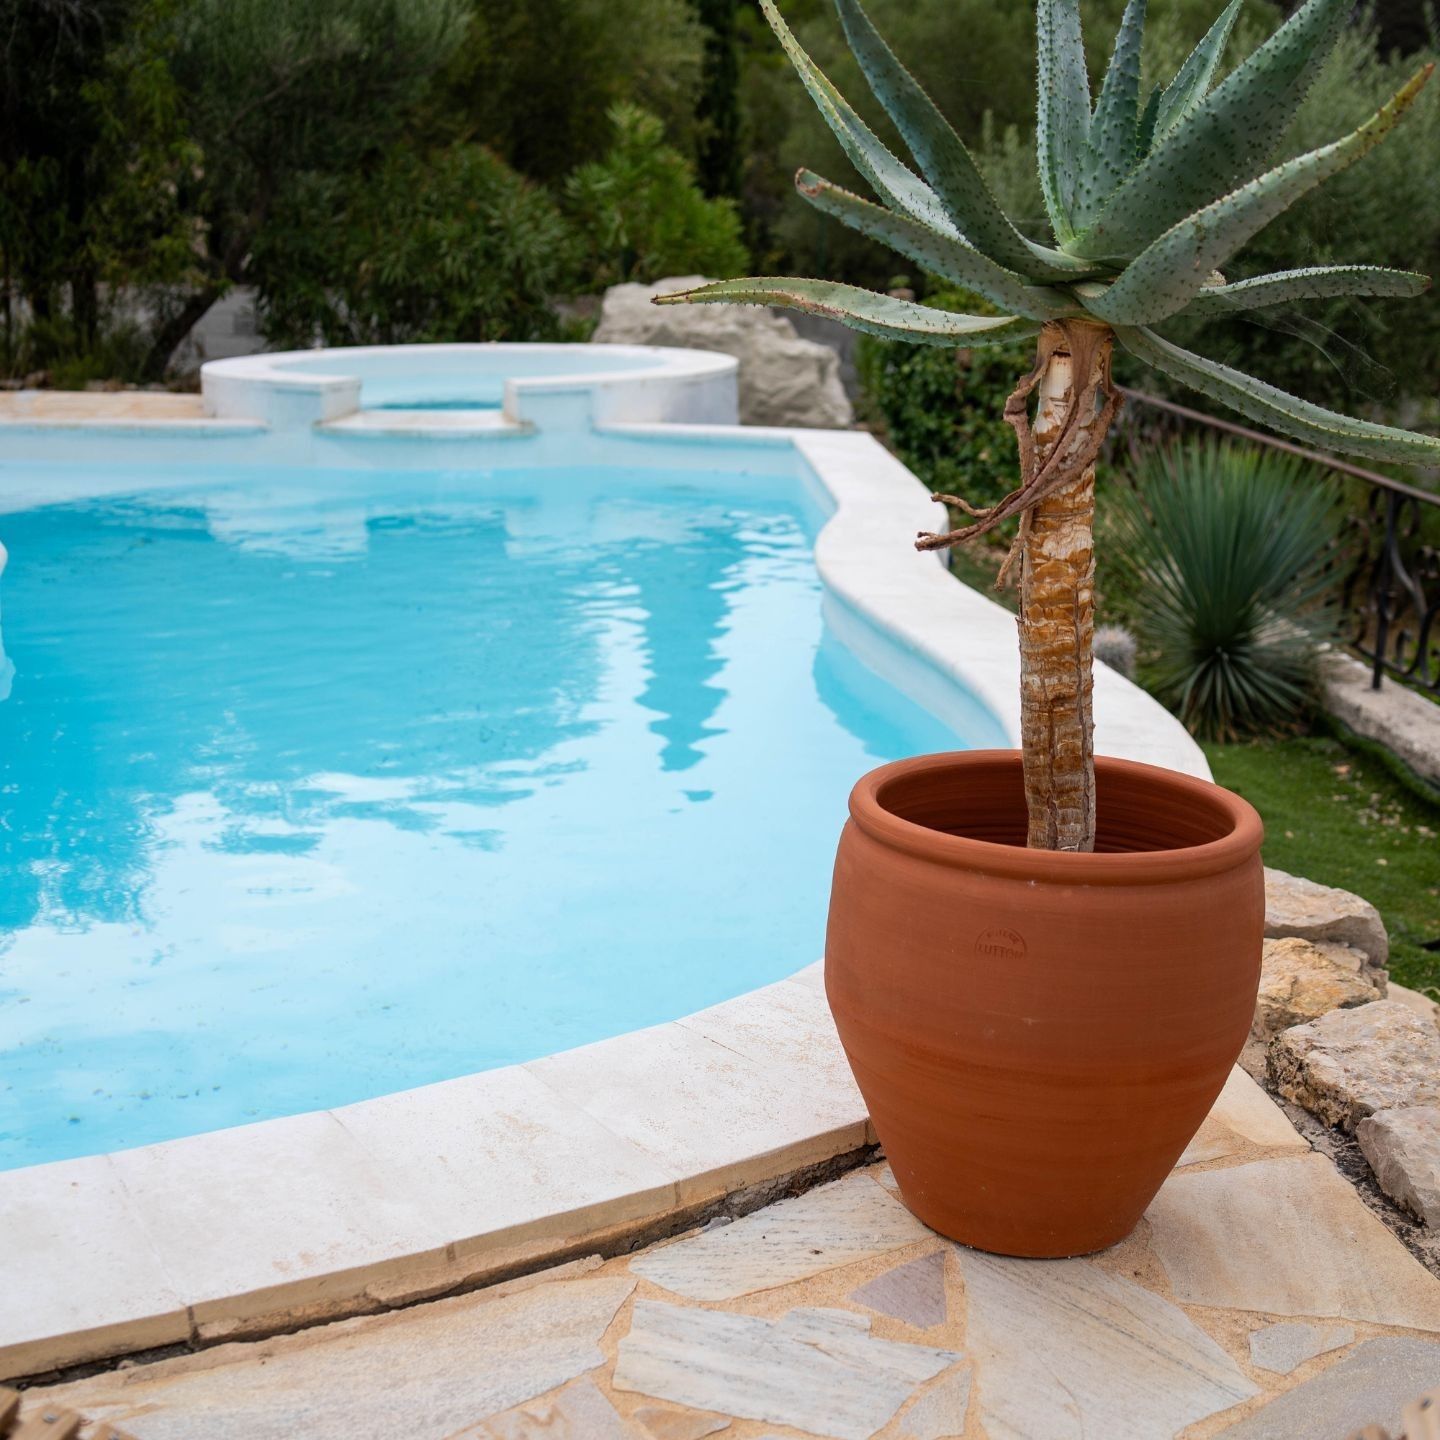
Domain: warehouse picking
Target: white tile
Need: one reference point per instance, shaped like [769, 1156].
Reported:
[501, 1158]
[78, 1276]
[279, 1215]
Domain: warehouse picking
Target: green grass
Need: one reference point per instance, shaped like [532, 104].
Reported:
[1338, 816]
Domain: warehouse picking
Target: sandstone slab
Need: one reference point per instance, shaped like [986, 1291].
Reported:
[837, 1224]
[1368, 1387]
[446, 1366]
[679, 1424]
[939, 1413]
[814, 1369]
[1403, 1148]
[578, 1412]
[784, 380]
[1350, 1063]
[1295, 906]
[1299, 981]
[1284, 1347]
[1243, 1119]
[1287, 1236]
[1062, 1350]
[913, 1292]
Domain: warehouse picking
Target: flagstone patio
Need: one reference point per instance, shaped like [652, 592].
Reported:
[1259, 1298]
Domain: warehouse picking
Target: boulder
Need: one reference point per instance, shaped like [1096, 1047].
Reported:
[1351, 1063]
[1403, 1148]
[1294, 906]
[784, 380]
[1422, 1005]
[1301, 981]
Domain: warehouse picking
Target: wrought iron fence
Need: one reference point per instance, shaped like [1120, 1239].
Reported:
[1390, 586]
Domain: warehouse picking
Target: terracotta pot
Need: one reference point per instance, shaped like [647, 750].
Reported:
[1038, 1036]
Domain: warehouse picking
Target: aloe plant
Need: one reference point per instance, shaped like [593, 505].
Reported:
[1148, 198]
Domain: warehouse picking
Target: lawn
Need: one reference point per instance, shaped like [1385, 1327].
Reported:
[1338, 816]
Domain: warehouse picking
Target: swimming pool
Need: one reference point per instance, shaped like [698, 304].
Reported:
[324, 784]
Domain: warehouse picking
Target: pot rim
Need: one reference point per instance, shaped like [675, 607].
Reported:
[1238, 845]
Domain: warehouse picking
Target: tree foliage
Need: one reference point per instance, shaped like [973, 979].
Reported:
[449, 245]
[640, 215]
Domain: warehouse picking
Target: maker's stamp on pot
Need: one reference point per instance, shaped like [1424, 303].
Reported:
[998, 943]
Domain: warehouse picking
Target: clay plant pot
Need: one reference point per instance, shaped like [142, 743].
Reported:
[1038, 1036]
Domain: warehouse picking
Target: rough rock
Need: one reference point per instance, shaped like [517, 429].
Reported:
[784, 380]
[1350, 1063]
[1294, 906]
[1403, 1148]
[1369, 1386]
[1299, 981]
[1422, 1005]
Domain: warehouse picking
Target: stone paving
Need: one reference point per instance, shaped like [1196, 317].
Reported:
[1258, 1298]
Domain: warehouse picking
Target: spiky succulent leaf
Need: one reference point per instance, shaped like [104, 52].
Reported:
[1114, 127]
[1192, 80]
[1268, 405]
[946, 255]
[938, 150]
[1169, 274]
[1145, 130]
[1063, 110]
[891, 178]
[882, 315]
[1225, 140]
[1314, 282]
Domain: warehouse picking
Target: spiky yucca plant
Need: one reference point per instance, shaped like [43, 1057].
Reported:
[1147, 202]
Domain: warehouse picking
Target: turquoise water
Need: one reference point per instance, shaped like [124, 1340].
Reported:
[320, 786]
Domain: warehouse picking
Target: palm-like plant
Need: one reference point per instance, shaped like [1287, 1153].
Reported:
[1147, 202]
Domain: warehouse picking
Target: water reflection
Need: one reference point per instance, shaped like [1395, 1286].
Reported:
[343, 788]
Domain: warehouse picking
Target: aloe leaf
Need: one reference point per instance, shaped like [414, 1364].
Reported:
[1110, 154]
[1267, 405]
[1223, 142]
[1145, 130]
[891, 178]
[1172, 271]
[943, 254]
[1314, 282]
[1193, 78]
[940, 153]
[865, 310]
[1063, 111]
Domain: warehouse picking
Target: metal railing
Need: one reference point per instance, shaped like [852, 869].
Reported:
[1390, 592]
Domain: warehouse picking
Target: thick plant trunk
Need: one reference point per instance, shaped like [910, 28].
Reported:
[1057, 602]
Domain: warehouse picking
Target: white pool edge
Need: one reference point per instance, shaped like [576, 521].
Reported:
[337, 1212]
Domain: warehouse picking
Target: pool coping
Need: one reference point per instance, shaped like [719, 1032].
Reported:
[336, 1212]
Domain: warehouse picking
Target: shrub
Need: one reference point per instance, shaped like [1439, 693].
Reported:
[1226, 548]
[641, 215]
[451, 245]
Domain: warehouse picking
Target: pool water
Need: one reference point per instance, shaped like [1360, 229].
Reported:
[318, 786]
